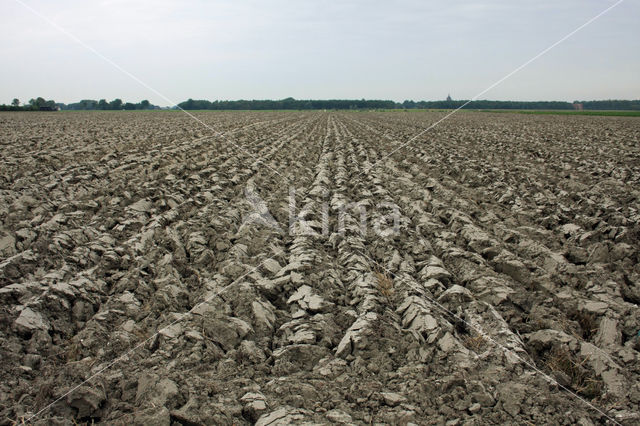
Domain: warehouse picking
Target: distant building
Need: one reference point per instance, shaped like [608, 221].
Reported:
[577, 106]
[449, 98]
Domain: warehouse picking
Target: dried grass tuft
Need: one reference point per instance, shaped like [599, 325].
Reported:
[475, 343]
[385, 283]
[567, 367]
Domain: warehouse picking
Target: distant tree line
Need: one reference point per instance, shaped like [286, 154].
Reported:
[534, 105]
[290, 103]
[102, 104]
[485, 105]
[39, 104]
[611, 105]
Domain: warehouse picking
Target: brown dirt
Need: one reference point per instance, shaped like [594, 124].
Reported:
[508, 295]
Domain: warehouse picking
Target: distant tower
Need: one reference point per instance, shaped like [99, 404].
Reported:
[448, 98]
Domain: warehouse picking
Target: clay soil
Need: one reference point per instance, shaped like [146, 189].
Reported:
[151, 271]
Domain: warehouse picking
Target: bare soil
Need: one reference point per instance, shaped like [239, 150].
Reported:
[137, 286]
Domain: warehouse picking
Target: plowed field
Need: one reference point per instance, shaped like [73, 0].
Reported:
[305, 267]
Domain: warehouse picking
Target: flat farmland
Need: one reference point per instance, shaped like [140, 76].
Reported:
[313, 267]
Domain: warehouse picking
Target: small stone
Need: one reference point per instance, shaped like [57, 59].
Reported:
[263, 313]
[254, 406]
[250, 351]
[226, 331]
[307, 300]
[87, 400]
[30, 321]
[172, 331]
[596, 307]
[608, 333]
[281, 416]
[475, 408]
[484, 398]
[436, 272]
[316, 303]
[160, 392]
[456, 294]
[141, 206]
[513, 268]
[300, 313]
[627, 355]
[271, 266]
[193, 335]
[7, 245]
[447, 342]
[303, 336]
[300, 294]
[355, 338]
[157, 416]
[296, 278]
[543, 340]
[392, 399]
[615, 382]
[512, 396]
[338, 416]
[570, 229]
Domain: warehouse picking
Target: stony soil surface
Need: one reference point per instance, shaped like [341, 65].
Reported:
[132, 254]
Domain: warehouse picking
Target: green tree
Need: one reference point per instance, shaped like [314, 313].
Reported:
[115, 104]
[35, 104]
[103, 104]
[87, 104]
[15, 102]
[144, 104]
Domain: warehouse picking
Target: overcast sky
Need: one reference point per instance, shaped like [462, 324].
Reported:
[413, 49]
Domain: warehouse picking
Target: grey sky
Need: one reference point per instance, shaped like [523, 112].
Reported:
[414, 49]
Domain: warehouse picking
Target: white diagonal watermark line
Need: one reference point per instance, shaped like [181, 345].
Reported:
[543, 52]
[141, 344]
[506, 350]
[134, 77]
